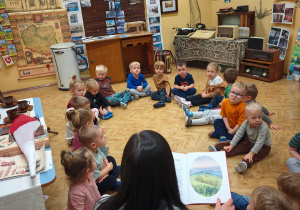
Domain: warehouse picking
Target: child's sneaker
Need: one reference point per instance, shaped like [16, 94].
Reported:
[123, 105]
[241, 167]
[188, 121]
[159, 104]
[136, 97]
[168, 99]
[212, 148]
[187, 112]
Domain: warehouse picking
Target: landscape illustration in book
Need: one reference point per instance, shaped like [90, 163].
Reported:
[205, 176]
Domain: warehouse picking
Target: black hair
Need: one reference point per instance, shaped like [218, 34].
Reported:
[148, 175]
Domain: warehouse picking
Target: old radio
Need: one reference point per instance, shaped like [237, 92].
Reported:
[256, 71]
[270, 55]
[244, 32]
[227, 32]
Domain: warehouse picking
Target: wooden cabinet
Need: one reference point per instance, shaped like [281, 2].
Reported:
[118, 52]
[243, 19]
[261, 70]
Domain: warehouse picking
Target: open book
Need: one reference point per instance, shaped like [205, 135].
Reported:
[18, 165]
[202, 177]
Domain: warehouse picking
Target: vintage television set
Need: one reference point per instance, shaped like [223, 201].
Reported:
[240, 19]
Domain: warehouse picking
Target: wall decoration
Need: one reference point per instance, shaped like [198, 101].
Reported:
[279, 37]
[2, 4]
[27, 5]
[294, 69]
[154, 23]
[7, 60]
[283, 13]
[85, 3]
[120, 14]
[168, 6]
[111, 5]
[262, 13]
[34, 33]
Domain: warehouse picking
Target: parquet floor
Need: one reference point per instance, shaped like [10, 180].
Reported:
[281, 96]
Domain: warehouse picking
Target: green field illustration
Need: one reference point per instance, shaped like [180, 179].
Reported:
[205, 176]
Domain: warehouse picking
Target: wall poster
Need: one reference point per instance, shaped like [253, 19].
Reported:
[34, 33]
[294, 69]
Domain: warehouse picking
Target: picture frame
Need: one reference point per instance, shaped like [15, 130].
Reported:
[168, 6]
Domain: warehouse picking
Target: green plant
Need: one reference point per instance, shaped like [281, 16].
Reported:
[260, 13]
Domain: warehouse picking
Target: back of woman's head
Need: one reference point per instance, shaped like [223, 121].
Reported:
[268, 198]
[148, 175]
[76, 164]
[79, 117]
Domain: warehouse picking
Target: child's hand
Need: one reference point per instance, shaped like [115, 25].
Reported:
[102, 178]
[103, 111]
[231, 131]
[110, 166]
[271, 113]
[226, 206]
[109, 109]
[167, 95]
[275, 127]
[249, 157]
[140, 88]
[204, 95]
[183, 88]
[228, 148]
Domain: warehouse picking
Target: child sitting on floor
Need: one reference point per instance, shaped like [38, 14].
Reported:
[162, 84]
[293, 163]
[79, 118]
[214, 86]
[232, 111]
[257, 144]
[184, 84]
[250, 96]
[97, 99]
[106, 173]
[79, 167]
[105, 88]
[76, 88]
[229, 76]
[136, 82]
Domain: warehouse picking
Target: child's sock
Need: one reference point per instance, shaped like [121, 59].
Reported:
[187, 112]
[159, 104]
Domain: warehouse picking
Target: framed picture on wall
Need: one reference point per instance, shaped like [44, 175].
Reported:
[168, 6]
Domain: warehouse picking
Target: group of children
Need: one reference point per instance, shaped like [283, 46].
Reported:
[232, 109]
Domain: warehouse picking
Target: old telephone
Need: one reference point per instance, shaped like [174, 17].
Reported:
[200, 26]
[184, 32]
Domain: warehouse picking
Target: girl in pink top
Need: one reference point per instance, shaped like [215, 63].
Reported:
[79, 118]
[79, 167]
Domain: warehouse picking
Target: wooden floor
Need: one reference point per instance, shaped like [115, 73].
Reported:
[281, 96]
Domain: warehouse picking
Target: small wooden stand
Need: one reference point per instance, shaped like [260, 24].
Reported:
[261, 70]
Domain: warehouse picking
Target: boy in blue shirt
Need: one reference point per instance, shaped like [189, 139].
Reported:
[136, 82]
[184, 84]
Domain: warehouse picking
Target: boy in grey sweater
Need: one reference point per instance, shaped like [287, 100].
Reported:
[258, 143]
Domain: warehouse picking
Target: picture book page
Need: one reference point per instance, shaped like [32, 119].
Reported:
[207, 177]
[180, 167]
[18, 165]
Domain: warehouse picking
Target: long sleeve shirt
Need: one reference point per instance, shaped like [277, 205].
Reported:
[133, 83]
[265, 113]
[97, 101]
[162, 82]
[259, 136]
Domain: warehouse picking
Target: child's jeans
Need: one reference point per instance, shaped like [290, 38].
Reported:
[136, 92]
[198, 100]
[221, 130]
[240, 201]
[182, 93]
[293, 164]
[159, 95]
[217, 99]
[110, 182]
[116, 98]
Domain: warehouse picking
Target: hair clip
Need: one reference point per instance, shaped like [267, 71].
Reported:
[72, 153]
[72, 108]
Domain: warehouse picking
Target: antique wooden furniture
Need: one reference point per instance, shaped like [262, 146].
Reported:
[262, 70]
[118, 52]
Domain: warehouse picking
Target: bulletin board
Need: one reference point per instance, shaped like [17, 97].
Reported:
[95, 17]
[34, 33]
